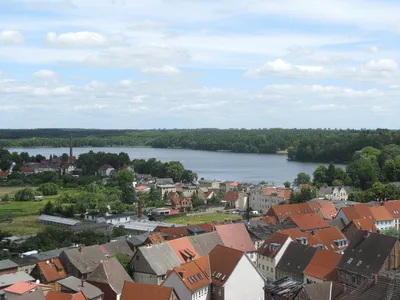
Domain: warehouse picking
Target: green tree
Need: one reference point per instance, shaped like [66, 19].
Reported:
[337, 182]
[48, 209]
[320, 175]
[196, 200]
[330, 174]
[64, 157]
[26, 194]
[48, 189]
[392, 232]
[287, 184]
[302, 178]
[125, 180]
[119, 231]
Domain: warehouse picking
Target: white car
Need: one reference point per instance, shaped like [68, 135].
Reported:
[254, 212]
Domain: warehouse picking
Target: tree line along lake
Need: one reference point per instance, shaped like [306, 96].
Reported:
[243, 167]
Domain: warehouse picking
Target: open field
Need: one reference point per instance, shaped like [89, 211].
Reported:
[22, 225]
[21, 208]
[203, 218]
[12, 189]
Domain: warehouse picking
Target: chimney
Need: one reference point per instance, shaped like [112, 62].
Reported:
[366, 234]
[139, 209]
[83, 282]
[3, 295]
[70, 149]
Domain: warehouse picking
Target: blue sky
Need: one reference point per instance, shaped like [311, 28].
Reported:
[199, 63]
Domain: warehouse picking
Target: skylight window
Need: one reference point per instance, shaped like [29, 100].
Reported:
[359, 263]
[350, 260]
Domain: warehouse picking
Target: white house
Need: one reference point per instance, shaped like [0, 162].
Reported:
[234, 276]
[166, 188]
[115, 219]
[264, 198]
[269, 254]
[393, 207]
[335, 193]
[191, 280]
[67, 168]
[106, 170]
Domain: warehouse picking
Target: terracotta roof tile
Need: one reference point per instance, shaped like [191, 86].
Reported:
[178, 232]
[223, 261]
[364, 224]
[184, 249]
[135, 290]
[235, 236]
[358, 211]
[287, 210]
[393, 207]
[309, 221]
[23, 287]
[231, 196]
[54, 295]
[155, 238]
[323, 265]
[275, 238]
[380, 213]
[52, 270]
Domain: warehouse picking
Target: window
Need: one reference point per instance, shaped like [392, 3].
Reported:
[272, 270]
[219, 292]
[263, 267]
[213, 289]
[267, 268]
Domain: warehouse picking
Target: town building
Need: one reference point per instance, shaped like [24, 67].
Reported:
[136, 290]
[262, 199]
[13, 278]
[106, 170]
[322, 267]
[307, 222]
[270, 253]
[8, 266]
[282, 212]
[58, 221]
[73, 285]
[49, 271]
[358, 224]
[233, 199]
[166, 188]
[209, 184]
[393, 207]
[335, 193]
[115, 219]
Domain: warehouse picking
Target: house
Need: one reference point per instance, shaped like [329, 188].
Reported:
[115, 219]
[328, 238]
[322, 267]
[335, 193]
[141, 291]
[127, 168]
[184, 249]
[23, 288]
[209, 184]
[383, 219]
[188, 190]
[49, 271]
[181, 203]
[367, 255]
[262, 199]
[117, 247]
[55, 295]
[143, 189]
[191, 280]
[393, 207]
[234, 199]
[13, 278]
[164, 181]
[230, 268]
[285, 288]
[67, 168]
[270, 253]
[82, 261]
[237, 237]
[260, 232]
[307, 222]
[109, 277]
[294, 261]
[35, 295]
[106, 170]
[8, 266]
[207, 196]
[178, 232]
[358, 224]
[282, 212]
[166, 188]
[154, 238]
[204, 243]
[150, 263]
[326, 209]
[73, 285]
[26, 264]
[58, 221]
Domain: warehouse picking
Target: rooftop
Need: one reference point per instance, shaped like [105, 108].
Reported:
[323, 265]
[52, 270]
[142, 291]
[296, 258]
[235, 236]
[273, 245]
[195, 274]
[75, 284]
[285, 288]
[309, 221]
[10, 279]
[23, 287]
[59, 220]
[223, 261]
[7, 264]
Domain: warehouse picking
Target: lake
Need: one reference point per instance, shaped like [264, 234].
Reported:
[210, 165]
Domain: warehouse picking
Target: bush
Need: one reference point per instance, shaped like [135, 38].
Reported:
[48, 189]
[15, 182]
[26, 194]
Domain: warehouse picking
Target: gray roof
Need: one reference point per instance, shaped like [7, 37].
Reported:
[59, 220]
[10, 279]
[296, 258]
[204, 243]
[146, 225]
[329, 189]
[339, 223]
[155, 259]
[164, 181]
[92, 226]
[85, 259]
[366, 254]
[117, 216]
[25, 261]
[117, 247]
[50, 254]
[319, 291]
[7, 264]
[75, 284]
[36, 295]
[112, 273]
[138, 239]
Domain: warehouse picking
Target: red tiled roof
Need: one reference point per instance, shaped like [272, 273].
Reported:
[54, 295]
[235, 236]
[364, 224]
[309, 221]
[195, 274]
[380, 213]
[142, 188]
[3, 174]
[287, 210]
[231, 196]
[178, 232]
[358, 211]
[23, 287]
[323, 265]
[275, 238]
[328, 210]
[142, 291]
[223, 261]
[184, 249]
[52, 270]
[155, 238]
[269, 220]
[393, 207]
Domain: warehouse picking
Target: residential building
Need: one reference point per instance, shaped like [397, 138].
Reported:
[67, 168]
[188, 190]
[106, 171]
[326, 209]
[270, 253]
[285, 288]
[117, 247]
[262, 199]
[282, 212]
[143, 189]
[164, 181]
[328, 238]
[237, 200]
[178, 232]
[393, 207]
[184, 249]
[204, 243]
[225, 186]
[73, 285]
[26, 264]
[335, 193]
[322, 267]
[294, 261]
[166, 188]
[49, 271]
[116, 219]
[191, 280]
[109, 277]
[307, 222]
[58, 221]
[230, 268]
[8, 266]
[23, 288]
[358, 224]
[100, 227]
[181, 203]
[141, 291]
[367, 255]
[81, 262]
[209, 184]
[13, 278]
[383, 219]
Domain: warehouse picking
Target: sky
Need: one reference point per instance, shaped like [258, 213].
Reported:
[131, 64]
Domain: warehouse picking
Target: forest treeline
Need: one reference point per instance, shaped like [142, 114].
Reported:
[313, 145]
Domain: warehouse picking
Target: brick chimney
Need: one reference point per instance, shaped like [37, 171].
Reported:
[83, 282]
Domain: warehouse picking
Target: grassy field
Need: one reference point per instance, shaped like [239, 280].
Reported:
[22, 225]
[203, 218]
[11, 189]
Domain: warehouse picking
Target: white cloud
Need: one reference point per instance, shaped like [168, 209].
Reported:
[125, 83]
[11, 37]
[81, 39]
[385, 65]
[45, 74]
[90, 107]
[380, 109]
[164, 70]
[322, 107]
[373, 49]
[282, 68]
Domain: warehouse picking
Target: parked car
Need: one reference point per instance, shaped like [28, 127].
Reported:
[254, 212]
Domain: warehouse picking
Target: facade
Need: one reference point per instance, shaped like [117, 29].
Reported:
[166, 188]
[115, 219]
[335, 193]
[270, 253]
[393, 207]
[106, 171]
[8, 266]
[209, 184]
[135, 290]
[262, 199]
